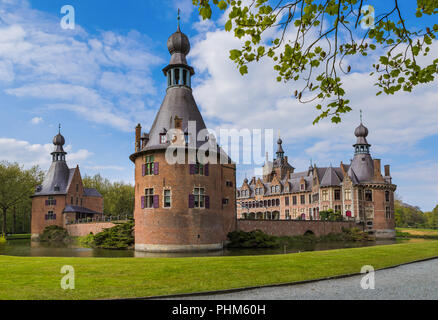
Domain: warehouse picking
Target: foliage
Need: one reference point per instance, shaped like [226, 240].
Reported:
[253, 239]
[87, 241]
[118, 196]
[2, 239]
[16, 187]
[116, 278]
[417, 233]
[258, 239]
[119, 237]
[54, 234]
[326, 37]
[330, 215]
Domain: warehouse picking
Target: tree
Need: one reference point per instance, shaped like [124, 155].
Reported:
[327, 33]
[118, 196]
[17, 185]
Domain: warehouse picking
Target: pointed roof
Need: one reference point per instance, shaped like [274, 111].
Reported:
[330, 178]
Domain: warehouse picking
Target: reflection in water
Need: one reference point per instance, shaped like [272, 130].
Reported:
[26, 248]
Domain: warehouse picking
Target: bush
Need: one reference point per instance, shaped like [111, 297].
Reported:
[253, 239]
[119, 237]
[2, 239]
[87, 241]
[54, 234]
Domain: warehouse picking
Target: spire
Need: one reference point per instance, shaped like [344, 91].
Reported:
[280, 151]
[362, 146]
[179, 19]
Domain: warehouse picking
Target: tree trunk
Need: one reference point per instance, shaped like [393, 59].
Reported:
[14, 221]
[4, 221]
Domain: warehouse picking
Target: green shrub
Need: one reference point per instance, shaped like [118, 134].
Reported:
[119, 237]
[253, 239]
[87, 241]
[2, 239]
[54, 234]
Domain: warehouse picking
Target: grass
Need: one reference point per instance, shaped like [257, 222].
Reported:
[18, 237]
[102, 278]
[419, 232]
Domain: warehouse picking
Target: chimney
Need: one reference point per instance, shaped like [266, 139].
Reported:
[378, 166]
[387, 171]
[137, 137]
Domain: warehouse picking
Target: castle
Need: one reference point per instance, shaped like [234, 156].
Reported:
[62, 196]
[192, 205]
[358, 191]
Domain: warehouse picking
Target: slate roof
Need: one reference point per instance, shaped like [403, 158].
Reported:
[59, 175]
[77, 209]
[88, 192]
[331, 178]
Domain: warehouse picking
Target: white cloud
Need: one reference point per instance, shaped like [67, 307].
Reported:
[90, 73]
[29, 155]
[36, 120]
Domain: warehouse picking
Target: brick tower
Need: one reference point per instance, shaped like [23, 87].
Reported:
[188, 205]
[62, 197]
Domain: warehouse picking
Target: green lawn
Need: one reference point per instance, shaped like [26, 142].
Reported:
[96, 278]
[419, 232]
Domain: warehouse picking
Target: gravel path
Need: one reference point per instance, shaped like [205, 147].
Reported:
[413, 281]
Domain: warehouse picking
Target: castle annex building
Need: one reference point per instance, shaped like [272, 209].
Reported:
[62, 197]
[357, 190]
[183, 206]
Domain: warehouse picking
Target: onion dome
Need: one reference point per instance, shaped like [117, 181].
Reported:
[178, 43]
[361, 131]
[59, 140]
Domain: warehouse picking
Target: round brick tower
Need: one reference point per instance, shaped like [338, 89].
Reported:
[189, 205]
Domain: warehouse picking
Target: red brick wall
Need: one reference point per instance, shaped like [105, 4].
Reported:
[81, 230]
[293, 228]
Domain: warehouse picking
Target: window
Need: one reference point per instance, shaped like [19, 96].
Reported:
[338, 208]
[347, 194]
[229, 184]
[287, 215]
[324, 195]
[149, 199]
[150, 165]
[163, 138]
[387, 198]
[167, 199]
[199, 197]
[286, 201]
[71, 200]
[310, 198]
[294, 213]
[324, 208]
[51, 201]
[337, 194]
[225, 202]
[77, 187]
[303, 199]
[50, 216]
[294, 200]
[388, 213]
[277, 202]
[360, 194]
[368, 195]
[303, 187]
[81, 203]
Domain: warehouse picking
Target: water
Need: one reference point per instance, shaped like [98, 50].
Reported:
[26, 248]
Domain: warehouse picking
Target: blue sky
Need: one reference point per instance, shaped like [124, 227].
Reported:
[104, 77]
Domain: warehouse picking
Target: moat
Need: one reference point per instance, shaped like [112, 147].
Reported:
[26, 248]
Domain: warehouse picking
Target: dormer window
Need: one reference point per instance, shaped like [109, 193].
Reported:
[56, 188]
[163, 138]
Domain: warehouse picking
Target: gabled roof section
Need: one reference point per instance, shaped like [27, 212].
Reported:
[88, 192]
[330, 178]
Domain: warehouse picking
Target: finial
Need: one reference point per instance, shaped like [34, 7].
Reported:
[361, 117]
[179, 18]
[59, 129]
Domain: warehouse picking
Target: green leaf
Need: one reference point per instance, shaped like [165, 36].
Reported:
[243, 70]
